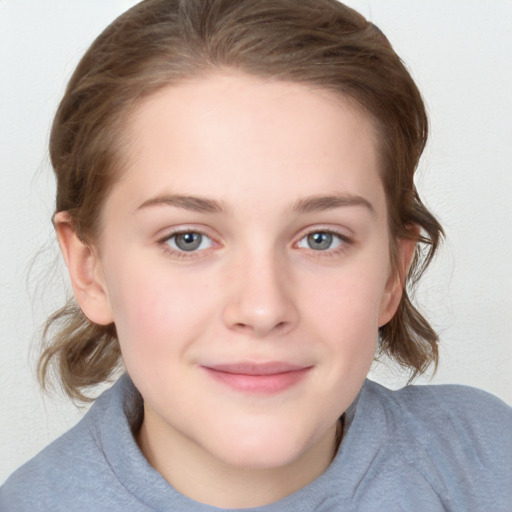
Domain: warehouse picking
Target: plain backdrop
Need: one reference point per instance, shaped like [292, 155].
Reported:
[459, 52]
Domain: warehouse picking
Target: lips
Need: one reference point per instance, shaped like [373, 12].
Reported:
[259, 378]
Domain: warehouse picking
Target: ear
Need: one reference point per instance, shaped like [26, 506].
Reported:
[85, 271]
[396, 282]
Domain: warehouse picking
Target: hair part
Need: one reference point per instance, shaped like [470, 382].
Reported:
[157, 43]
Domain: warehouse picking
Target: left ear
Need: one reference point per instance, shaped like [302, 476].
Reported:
[396, 282]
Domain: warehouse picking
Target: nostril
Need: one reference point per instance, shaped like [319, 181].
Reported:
[242, 326]
[259, 328]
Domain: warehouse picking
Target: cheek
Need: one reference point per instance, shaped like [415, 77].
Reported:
[157, 311]
[346, 316]
[343, 319]
[350, 302]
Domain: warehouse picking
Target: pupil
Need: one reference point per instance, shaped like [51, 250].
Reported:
[188, 241]
[320, 241]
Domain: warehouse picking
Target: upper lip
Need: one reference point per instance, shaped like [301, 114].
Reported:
[244, 368]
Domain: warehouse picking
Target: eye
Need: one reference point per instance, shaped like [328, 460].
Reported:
[189, 241]
[321, 241]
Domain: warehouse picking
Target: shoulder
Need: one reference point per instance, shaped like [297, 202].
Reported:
[71, 470]
[443, 406]
[459, 438]
[461, 414]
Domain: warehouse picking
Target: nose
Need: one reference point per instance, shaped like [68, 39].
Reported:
[260, 301]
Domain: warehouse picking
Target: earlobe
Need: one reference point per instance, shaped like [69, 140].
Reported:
[397, 281]
[85, 271]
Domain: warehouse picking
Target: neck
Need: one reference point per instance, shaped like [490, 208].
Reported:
[206, 479]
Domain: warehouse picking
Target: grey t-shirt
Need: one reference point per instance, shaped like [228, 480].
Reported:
[422, 448]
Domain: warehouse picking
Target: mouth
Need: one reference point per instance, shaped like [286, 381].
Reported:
[258, 378]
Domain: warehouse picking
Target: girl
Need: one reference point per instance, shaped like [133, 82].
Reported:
[237, 212]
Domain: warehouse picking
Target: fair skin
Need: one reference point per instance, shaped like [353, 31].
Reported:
[244, 258]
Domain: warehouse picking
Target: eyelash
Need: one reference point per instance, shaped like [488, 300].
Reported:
[164, 243]
[344, 243]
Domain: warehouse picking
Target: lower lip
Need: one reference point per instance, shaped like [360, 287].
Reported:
[259, 384]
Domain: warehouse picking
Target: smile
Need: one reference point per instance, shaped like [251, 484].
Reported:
[267, 378]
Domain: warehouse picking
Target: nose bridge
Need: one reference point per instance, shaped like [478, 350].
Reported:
[260, 300]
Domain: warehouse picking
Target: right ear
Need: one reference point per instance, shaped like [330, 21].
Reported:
[85, 271]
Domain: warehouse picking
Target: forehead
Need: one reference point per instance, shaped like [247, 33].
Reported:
[240, 136]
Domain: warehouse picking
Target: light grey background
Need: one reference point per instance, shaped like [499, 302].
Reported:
[459, 51]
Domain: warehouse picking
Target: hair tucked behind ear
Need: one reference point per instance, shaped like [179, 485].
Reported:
[92, 358]
[322, 43]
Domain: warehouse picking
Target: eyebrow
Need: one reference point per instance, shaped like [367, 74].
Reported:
[306, 205]
[192, 203]
[330, 202]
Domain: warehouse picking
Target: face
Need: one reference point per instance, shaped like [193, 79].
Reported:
[244, 258]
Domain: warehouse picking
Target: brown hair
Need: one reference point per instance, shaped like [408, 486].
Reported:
[159, 42]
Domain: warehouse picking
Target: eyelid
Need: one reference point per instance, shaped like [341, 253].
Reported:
[345, 238]
[343, 233]
[173, 242]
[172, 232]
[169, 231]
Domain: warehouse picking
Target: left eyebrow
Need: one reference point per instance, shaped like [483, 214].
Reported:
[330, 202]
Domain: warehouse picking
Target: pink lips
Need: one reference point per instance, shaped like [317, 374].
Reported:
[265, 378]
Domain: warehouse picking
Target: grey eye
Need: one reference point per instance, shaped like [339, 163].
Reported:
[189, 241]
[321, 241]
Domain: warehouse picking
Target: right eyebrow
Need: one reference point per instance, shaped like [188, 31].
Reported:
[192, 203]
